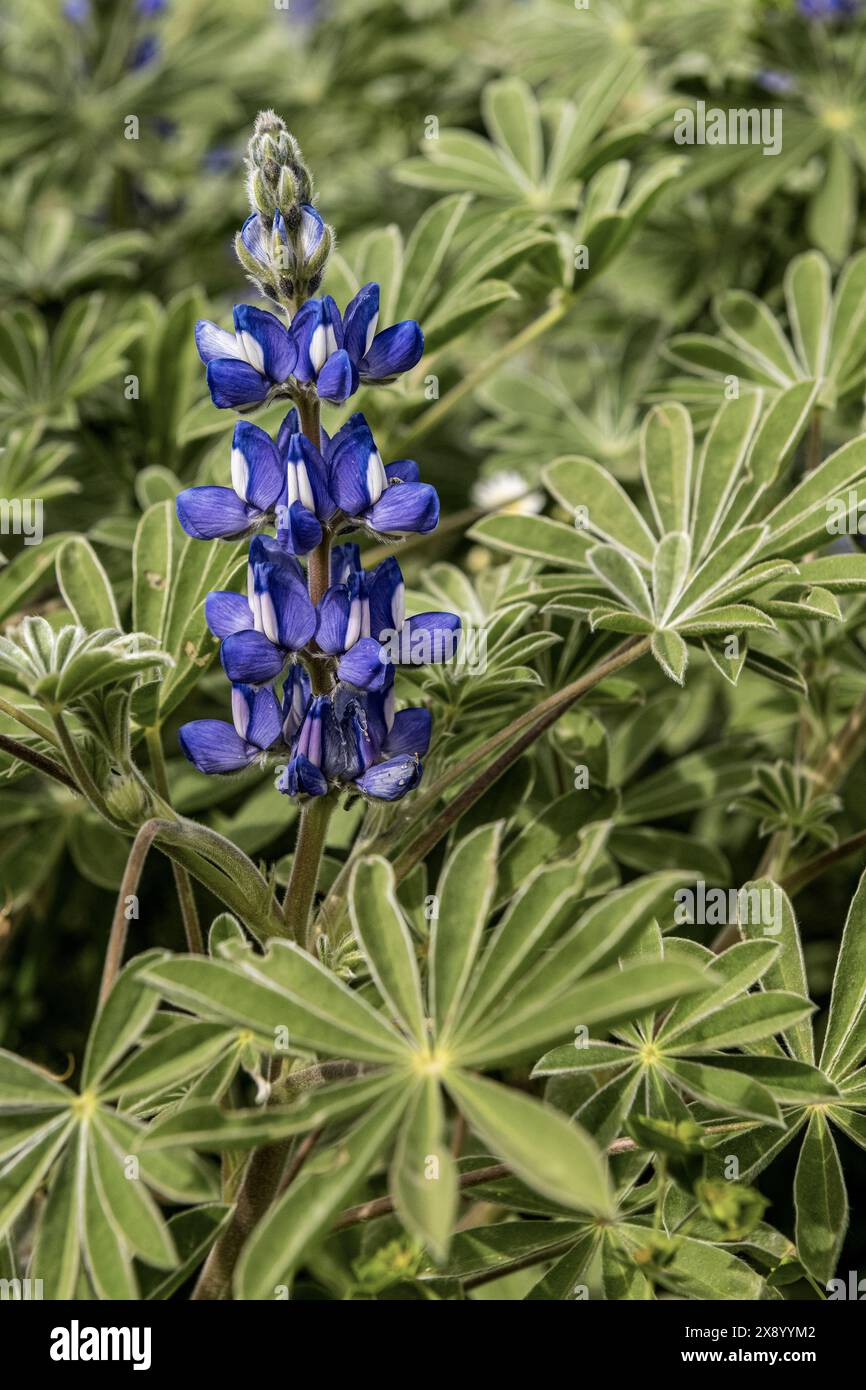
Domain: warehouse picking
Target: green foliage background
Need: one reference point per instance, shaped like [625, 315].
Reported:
[111, 247]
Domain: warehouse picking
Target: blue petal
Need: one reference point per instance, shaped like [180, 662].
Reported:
[338, 379]
[296, 698]
[269, 550]
[301, 776]
[266, 721]
[392, 352]
[288, 613]
[300, 531]
[210, 513]
[307, 476]
[390, 780]
[226, 612]
[410, 732]
[345, 560]
[333, 619]
[291, 425]
[317, 330]
[365, 665]
[256, 238]
[405, 507]
[232, 383]
[214, 746]
[312, 230]
[387, 598]
[275, 343]
[359, 321]
[429, 637]
[257, 473]
[356, 478]
[249, 658]
[402, 471]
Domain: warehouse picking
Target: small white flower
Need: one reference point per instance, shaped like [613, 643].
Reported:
[506, 490]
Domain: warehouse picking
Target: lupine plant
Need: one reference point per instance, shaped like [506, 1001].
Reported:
[442, 646]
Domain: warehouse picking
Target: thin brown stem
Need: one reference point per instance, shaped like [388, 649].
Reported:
[38, 761]
[542, 717]
[128, 887]
[822, 862]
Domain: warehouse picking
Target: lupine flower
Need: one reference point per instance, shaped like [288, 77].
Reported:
[296, 697]
[348, 739]
[260, 632]
[340, 353]
[307, 501]
[362, 621]
[258, 483]
[216, 746]
[382, 499]
[283, 482]
[308, 490]
[242, 367]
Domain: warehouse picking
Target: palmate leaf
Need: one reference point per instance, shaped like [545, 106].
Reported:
[100, 1211]
[826, 340]
[721, 562]
[489, 996]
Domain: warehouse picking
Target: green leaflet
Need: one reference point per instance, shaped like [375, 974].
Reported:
[537, 1142]
[465, 891]
[821, 1201]
[85, 586]
[383, 936]
[423, 1178]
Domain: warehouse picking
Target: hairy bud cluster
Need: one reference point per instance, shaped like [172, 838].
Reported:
[284, 245]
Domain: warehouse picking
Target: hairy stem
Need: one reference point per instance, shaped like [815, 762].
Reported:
[259, 1187]
[29, 721]
[128, 887]
[310, 846]
[38, 761]
[82, 774]
[182, 883]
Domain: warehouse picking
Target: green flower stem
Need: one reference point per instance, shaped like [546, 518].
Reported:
[34, 725]
[486, 368]
[265, 1177]
[263, 924]
[301, 889]
[185, 894]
